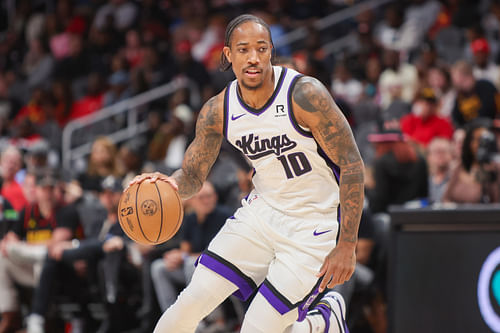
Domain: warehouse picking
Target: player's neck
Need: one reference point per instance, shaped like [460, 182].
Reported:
[256, 98]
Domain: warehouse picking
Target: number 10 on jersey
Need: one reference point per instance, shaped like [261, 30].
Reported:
[295, 164]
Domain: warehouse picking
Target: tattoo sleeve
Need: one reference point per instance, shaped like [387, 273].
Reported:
[318, 111]
[203, 151]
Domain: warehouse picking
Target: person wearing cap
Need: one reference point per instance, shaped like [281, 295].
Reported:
[400, 172]
[104, 241]
[484, 69]
[475, 98]
[119, 88]
[423, 124]
[23, 250]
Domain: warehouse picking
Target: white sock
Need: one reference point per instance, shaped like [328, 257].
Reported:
[317, 323]
[314, 323]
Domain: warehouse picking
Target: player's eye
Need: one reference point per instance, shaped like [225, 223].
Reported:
[263, 49]
[242, 50]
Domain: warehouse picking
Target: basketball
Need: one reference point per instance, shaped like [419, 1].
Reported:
[150, 213]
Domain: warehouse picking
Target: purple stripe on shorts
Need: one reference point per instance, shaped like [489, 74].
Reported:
[276, 303]
[304, 307]
[245, 289]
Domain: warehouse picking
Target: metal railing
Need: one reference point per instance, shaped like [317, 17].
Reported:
[328, 21]
[133, 127]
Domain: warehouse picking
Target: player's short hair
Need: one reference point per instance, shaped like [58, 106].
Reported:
[236, 22]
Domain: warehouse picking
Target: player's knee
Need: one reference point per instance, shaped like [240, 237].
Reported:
[263, 317]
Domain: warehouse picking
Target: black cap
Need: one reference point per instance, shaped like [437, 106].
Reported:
[111, 183]
[46, 180]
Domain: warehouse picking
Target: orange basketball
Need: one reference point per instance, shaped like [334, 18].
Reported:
[150, 213]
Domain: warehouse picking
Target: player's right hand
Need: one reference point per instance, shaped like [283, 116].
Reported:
[152, 178]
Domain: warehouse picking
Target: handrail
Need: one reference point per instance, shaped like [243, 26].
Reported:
[328, 21]
[129, 105]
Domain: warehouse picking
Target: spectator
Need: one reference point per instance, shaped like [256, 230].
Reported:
[130, 157]
[475, 179]
[11, 162]
[102, 163]
[344, 86]
[400, 173]
[38, 64]
[423, 124]
[76, 64]
[119, 88]
[170, 141]
[33, 109]
[24, 249]
[122, 13]
[177, 265]
[184, 63]
[92, 101]
[403, 73]
[475, 98]
[439, 158]
[104, 241]
[484, 69]
[438, 78]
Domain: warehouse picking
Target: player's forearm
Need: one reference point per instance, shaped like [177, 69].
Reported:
[189, 183]
[351, 201]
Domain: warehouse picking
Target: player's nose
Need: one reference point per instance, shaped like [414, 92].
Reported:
[253, 57]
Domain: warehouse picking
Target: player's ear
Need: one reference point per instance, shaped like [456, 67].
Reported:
[227, 53]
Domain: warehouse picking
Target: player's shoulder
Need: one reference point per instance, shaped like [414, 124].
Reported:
[215, 104]
[309, 94]
[308, 84]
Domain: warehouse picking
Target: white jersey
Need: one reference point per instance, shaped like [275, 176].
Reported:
[292, 173]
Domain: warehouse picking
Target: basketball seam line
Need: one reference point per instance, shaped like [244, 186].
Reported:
[137, 213]
[161, 210]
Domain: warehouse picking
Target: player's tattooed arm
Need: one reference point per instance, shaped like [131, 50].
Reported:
[203, 151]
[317, 111]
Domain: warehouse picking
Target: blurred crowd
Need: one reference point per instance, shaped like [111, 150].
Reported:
[418, 81]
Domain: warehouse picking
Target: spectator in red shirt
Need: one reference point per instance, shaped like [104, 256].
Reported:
[90, 102]
[423, 124]
[10, 163]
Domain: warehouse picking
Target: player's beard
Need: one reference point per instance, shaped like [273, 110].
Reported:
[255, 87]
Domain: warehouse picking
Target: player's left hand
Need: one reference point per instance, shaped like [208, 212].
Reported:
[338, 266]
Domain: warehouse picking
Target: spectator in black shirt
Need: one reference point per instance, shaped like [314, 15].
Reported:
[24, 248]
[400, 173]
[104, 240]
[474, 98]
[177, 265]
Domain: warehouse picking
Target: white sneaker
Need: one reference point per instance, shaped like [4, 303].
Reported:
[333, 303]
[35, 324]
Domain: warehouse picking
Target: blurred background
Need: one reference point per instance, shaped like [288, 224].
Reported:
[94, 92]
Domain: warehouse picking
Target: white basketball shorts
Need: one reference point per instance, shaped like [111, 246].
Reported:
[261, 247]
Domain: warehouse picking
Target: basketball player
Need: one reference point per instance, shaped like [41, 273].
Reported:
[282, 241]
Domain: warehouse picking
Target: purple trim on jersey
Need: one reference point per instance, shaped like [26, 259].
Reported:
[226, 109]
[230, 272]
[271, 99]
[335, 168]
[291, 116]
[336, 171]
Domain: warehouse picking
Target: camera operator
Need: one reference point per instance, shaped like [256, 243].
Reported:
[476, 179]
